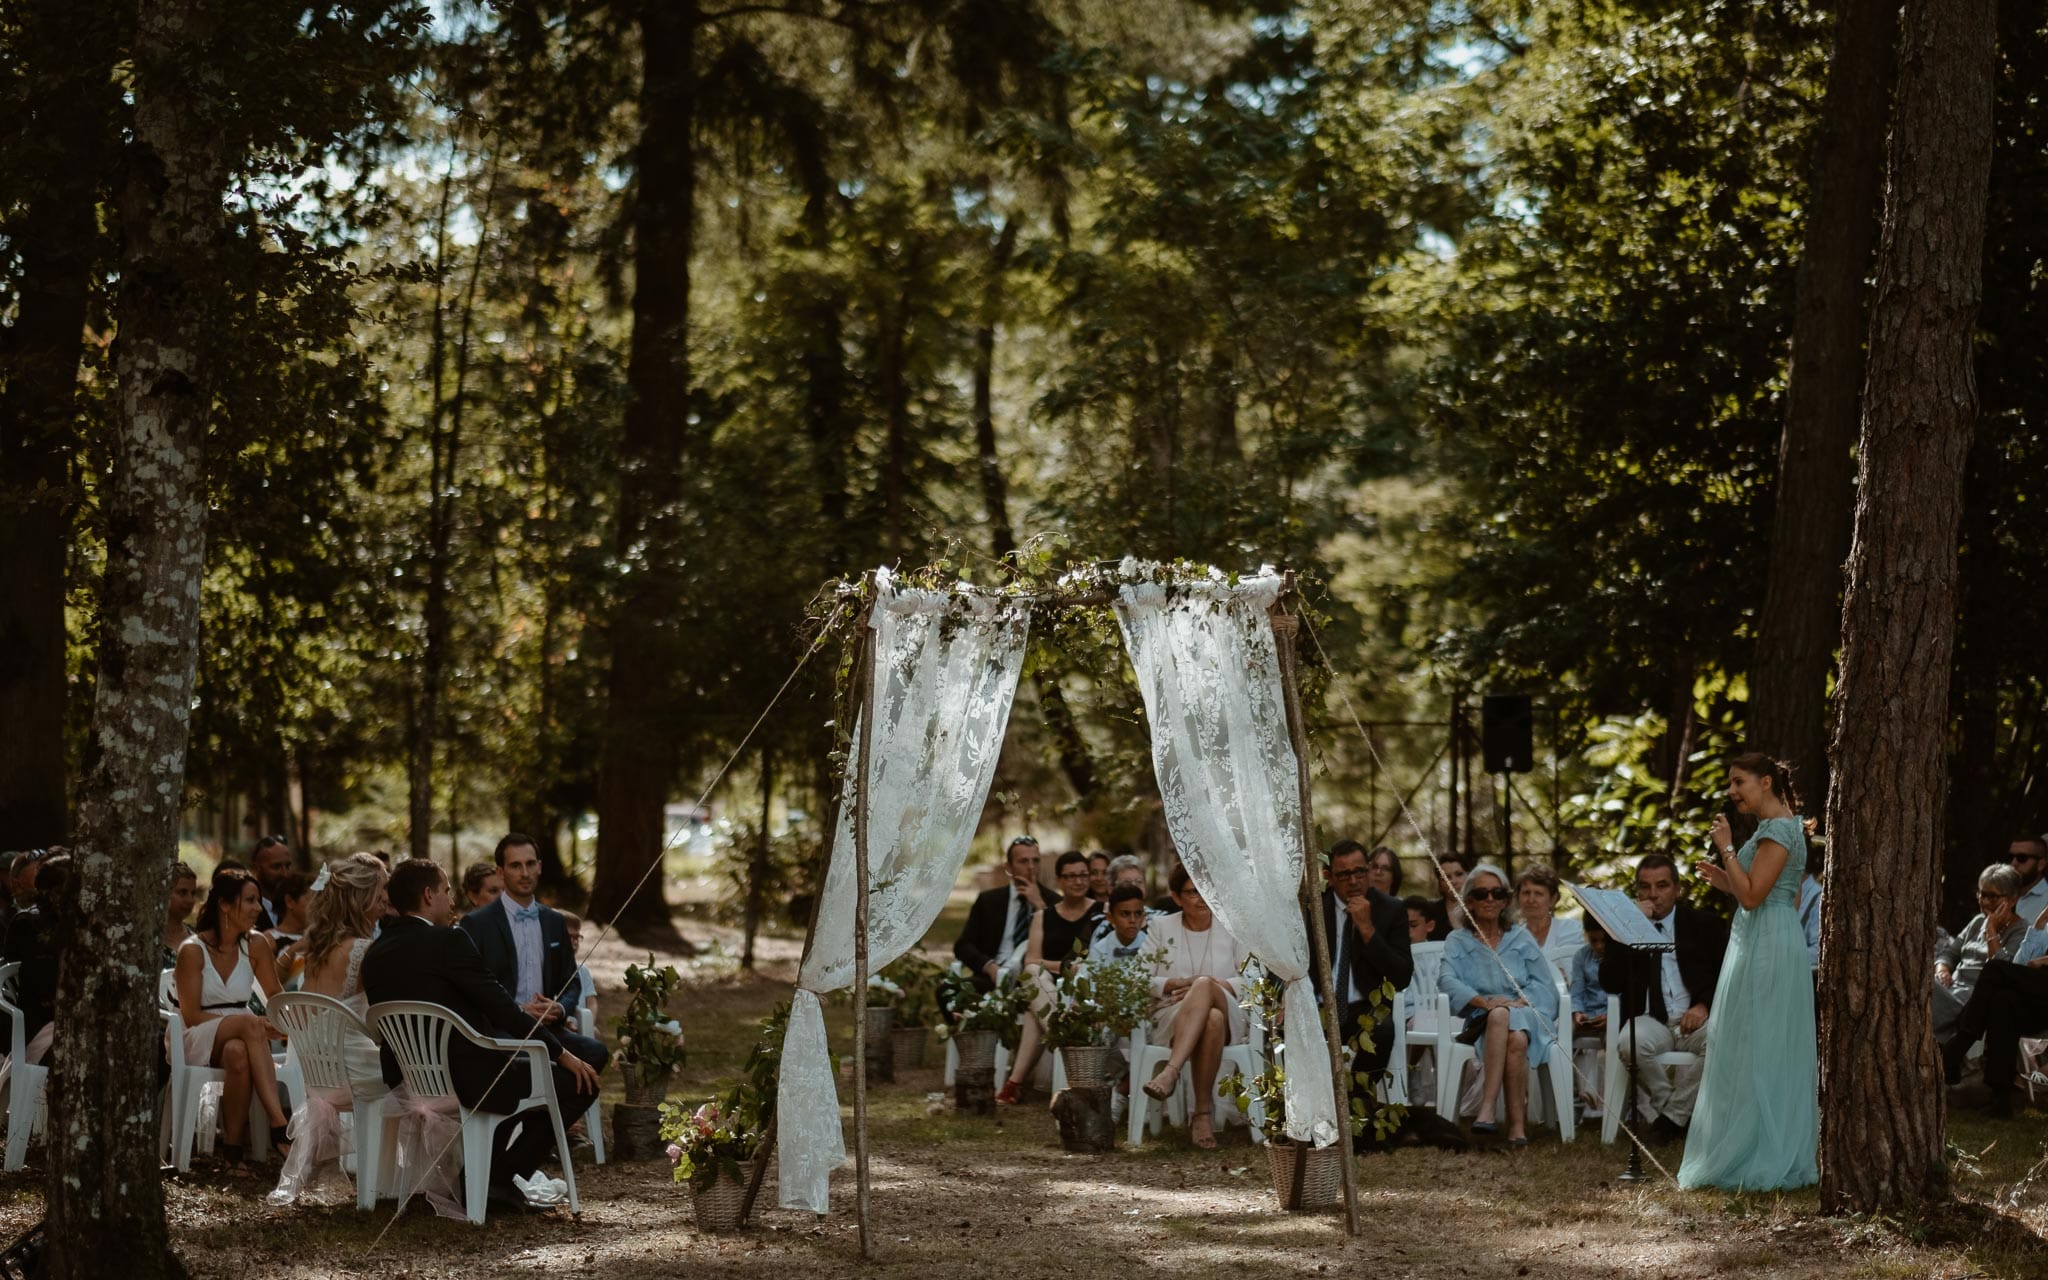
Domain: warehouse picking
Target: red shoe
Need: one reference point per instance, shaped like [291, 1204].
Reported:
[1010, 1095]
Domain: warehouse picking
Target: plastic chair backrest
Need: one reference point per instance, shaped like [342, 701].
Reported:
[417, 1033]
[317, 1028]
[1429, 962]
[167, 989]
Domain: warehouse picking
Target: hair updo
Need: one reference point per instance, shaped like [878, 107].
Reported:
[1757, 764]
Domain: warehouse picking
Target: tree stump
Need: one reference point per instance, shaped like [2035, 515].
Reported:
[974, 1091]
[1083, 1116]
[636, 1133]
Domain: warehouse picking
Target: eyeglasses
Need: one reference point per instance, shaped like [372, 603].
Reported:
[1988, 896]
[1073, 875]
[1350, 873]
[2023, 857]
[1487, 895]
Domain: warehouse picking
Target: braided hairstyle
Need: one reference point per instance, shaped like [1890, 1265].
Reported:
[1757, 764]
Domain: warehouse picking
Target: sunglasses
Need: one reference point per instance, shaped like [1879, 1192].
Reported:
[1024, 840]
[1487, 895]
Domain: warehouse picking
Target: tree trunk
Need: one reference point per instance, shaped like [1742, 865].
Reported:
[1881, 1095]
[106, 1209]
[642, 746]
[1800, 622]
[893, 374]
[67, 52]
[424, 724]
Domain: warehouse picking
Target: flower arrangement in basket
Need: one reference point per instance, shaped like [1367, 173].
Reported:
[911, 984]
[1098, 1003]
[651, 1044]
[713, 1145]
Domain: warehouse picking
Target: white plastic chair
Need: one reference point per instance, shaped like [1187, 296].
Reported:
[317, 1028]
[1428, 1011]
[186, 1084]
[586, 1022]
[1613, 1102]
[25, 1081]
[417, 1034]
[1394, 1088]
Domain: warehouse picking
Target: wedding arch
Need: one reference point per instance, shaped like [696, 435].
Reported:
[936, 677]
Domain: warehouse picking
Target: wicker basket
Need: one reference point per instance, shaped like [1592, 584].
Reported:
[1306, 1178]
[718, 1206]
[977, 1050]
[908, 1045]
[645, 1088]
[1089, 1066]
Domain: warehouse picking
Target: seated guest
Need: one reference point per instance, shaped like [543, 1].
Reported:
[1057, 933]
[1367, 930]
[1500, 983]
[21, 879]
[1809, 909]
[416, 958]
[1098, 876]
[2028, 855]
[1589, 1013]
[574, 924]
[1536, 891]
[218, 967]
[1997, 931]
[34, 942]
[340, 926]
[1125, 921]
[1195, 1000]
[1124, 869]
[270, 863]
[525, 946]
[293, 898]
[2010, 1001]
[1421, 918]
[1674, 991]
[1383, 871]
[481, 885]
[998, 927]
[1449, 915]
[184, 894]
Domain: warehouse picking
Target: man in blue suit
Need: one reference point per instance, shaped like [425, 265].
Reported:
[526, 947]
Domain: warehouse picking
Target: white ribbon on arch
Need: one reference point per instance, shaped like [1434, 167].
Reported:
[1210, 674]
[946, 670]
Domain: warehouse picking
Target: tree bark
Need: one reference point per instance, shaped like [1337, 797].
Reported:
[106, 1209]
[1800, 622]
[1881, 1096]
[67, 51]
[423, 726]
[642, 747]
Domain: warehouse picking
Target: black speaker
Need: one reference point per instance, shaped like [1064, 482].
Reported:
[1506, 733]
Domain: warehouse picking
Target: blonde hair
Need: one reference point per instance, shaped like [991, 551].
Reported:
[345, 909]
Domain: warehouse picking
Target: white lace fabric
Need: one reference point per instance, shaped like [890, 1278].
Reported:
[946, 670]
[1210, 675]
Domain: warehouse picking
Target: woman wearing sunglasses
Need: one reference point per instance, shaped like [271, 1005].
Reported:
[1497, 978]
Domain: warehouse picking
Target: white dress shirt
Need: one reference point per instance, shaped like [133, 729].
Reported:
[1676, 998]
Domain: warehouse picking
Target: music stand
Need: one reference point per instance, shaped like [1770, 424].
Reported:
[1626, 926]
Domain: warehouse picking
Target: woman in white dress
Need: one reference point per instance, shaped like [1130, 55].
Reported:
[218, 967]
[1195, 999]
[343, 917]
[1536, 894]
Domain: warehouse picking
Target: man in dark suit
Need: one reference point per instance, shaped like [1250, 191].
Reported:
[270, 864]
[415, 958]
[1674, 992]
[526, 947]
[1368, 936]
[999, 923]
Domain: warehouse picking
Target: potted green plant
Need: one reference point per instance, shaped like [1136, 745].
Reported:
[651, 1044]
[1094, 1006]
[986, 1018]
[916, 1007]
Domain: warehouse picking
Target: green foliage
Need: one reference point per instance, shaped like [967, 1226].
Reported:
[709, 1141]
[647, 1037]
[916, 995]
[1267, 1088]
[997, 1010]
[1099, 1002]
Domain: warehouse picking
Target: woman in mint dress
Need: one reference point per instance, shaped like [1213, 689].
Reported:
[1757, 1124]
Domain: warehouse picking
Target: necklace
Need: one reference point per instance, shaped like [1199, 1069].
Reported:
[1208, 941]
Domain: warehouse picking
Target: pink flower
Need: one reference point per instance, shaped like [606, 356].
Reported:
[675, 1154]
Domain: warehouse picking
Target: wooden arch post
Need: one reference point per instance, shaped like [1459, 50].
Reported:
[866, 676]
[1286, 627]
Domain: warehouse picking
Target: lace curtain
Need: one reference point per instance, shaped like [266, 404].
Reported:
[946, 668]
[1210, 676]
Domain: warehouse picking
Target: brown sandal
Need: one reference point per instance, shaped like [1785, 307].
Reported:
[1161, 1092]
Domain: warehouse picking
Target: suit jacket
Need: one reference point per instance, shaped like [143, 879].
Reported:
[491, 930]
[1702, 939]
[981, 938]
[1384, 959]
[414, 960]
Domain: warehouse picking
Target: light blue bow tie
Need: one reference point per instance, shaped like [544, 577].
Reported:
[1126, 952]
[526, 913]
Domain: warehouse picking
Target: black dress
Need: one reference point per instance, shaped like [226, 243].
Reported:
[1061, 934]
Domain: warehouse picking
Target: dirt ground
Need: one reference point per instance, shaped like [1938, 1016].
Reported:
[967, 1198]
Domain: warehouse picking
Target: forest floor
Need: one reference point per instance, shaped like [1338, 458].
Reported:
[965, 1198]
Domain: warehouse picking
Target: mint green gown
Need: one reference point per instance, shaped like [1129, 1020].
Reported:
[1757, 1124]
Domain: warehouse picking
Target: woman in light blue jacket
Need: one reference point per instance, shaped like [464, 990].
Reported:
[1499, 982]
